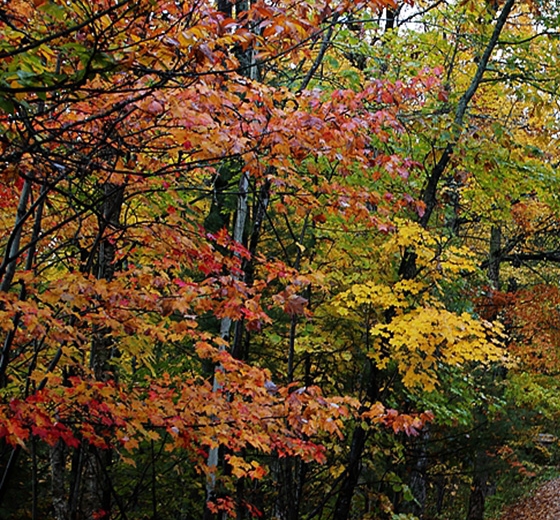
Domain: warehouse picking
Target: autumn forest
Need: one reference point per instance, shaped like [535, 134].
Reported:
[278, 259]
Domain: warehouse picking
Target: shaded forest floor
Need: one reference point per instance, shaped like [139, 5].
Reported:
[541, 504]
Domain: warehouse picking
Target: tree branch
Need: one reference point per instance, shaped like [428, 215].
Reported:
[429, 196]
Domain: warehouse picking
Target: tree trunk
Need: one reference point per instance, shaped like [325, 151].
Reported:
[248, 69]
[479, 488]
[353, 469]
[96, 487]
[58, 481]
[494, 257]
[226, 323]
[418, 482]
[359, 436]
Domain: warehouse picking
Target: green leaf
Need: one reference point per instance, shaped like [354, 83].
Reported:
[7, 105]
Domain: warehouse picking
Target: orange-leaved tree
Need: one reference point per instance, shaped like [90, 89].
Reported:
[133, 136]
